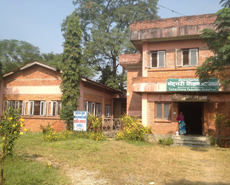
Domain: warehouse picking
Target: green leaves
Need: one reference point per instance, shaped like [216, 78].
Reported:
[218, 42]
[105, 28]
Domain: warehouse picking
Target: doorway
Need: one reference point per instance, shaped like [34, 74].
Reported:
[193, 116]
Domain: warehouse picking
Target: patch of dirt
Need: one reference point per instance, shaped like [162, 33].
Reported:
[76, 175]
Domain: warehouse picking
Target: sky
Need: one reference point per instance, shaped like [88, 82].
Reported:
[39, 21]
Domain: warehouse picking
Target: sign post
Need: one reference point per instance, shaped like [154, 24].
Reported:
[192, 84]
[80, 121]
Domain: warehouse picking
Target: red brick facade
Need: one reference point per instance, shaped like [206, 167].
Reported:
[41, 83]
[148, 84]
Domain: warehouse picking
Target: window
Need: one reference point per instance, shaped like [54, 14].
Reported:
[108, 111]
[53, 108]
[35, 108]
[155, 59]
[14, 104]
[162, 111]
[92, 108]
[98, 109]
[187, 57]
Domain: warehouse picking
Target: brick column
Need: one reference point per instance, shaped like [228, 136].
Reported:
[144, 109]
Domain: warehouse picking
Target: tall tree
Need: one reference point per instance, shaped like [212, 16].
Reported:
[73, 68]
[15, 53]
[105, 26]
[218, 41]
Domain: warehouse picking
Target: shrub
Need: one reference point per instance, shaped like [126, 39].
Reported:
[133, 129]
[168, 141]
[98, 136]
[93, 123]
[10, 128]
[50, 135]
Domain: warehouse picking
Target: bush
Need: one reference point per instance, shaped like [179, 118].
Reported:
[10, 128]
[168, 141]
[97, 136]
[50, 135]
[133, 129]
[93, 123]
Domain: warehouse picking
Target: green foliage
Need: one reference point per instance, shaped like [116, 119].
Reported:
[46, 130]
[93, 122]
[98, 136]
[221, 124]
[226, 3]
[105, 27]
[15, 53]
[10, 128]
[168, 141]
[218, 41]
[73, 68]
[67, 115]
[133, 129]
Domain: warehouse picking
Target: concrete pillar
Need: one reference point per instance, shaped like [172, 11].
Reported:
[144, 69]
[144, 109]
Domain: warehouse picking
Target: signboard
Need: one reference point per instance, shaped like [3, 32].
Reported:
[80, 121]
[192, 84]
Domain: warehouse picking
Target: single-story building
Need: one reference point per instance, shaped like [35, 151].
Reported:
[35, 89]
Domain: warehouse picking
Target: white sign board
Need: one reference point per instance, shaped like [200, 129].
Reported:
[80, 121]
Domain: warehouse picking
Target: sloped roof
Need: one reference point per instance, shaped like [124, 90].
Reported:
[30, 65]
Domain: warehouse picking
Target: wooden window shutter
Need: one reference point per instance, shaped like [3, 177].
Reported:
[148, 59]
[161, 58]
[193, 56]
[178, 57]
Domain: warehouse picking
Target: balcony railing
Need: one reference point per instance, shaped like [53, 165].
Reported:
[110, 124]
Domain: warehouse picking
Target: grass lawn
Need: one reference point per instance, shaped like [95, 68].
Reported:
[117, 162]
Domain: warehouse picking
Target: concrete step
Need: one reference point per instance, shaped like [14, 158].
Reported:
[192, 141]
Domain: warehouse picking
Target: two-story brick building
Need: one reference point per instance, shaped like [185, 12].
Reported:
[35, 90]
[161, 79]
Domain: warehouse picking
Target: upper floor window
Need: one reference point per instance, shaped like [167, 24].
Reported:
[187, 57]
[157, 59]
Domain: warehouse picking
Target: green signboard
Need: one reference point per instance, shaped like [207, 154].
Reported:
[192, 84]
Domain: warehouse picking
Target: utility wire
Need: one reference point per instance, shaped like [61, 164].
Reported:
[170, 9]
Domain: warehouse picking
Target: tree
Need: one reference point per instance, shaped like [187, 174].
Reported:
[218, 41]
[105, 26]
[73, 68]
[15, 53]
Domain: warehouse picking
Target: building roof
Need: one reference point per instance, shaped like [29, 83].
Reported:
[30, 65]
[173, 22]
[58, 70]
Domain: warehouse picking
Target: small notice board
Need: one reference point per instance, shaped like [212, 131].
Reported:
[80, 121]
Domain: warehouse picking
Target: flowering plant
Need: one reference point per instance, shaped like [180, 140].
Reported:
[132, 129]
[10, 129]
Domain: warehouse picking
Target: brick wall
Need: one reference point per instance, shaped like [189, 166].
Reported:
[162, 127]
[211, 109]
[36, 76]
[172, 22]
[133, 99]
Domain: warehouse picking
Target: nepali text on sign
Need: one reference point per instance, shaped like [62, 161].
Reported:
[80, 121]
[192, 84]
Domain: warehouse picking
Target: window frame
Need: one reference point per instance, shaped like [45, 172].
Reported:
[51, 104]
[30, 112]
[179, 59]
[170, 112]
[13, 103]
[158, 53]
[108, 111]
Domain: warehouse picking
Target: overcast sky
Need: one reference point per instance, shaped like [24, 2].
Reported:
[39, 21]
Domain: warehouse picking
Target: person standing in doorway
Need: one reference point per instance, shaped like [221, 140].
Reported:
[180, 119]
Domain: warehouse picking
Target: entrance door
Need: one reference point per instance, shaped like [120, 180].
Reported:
[193, 116]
